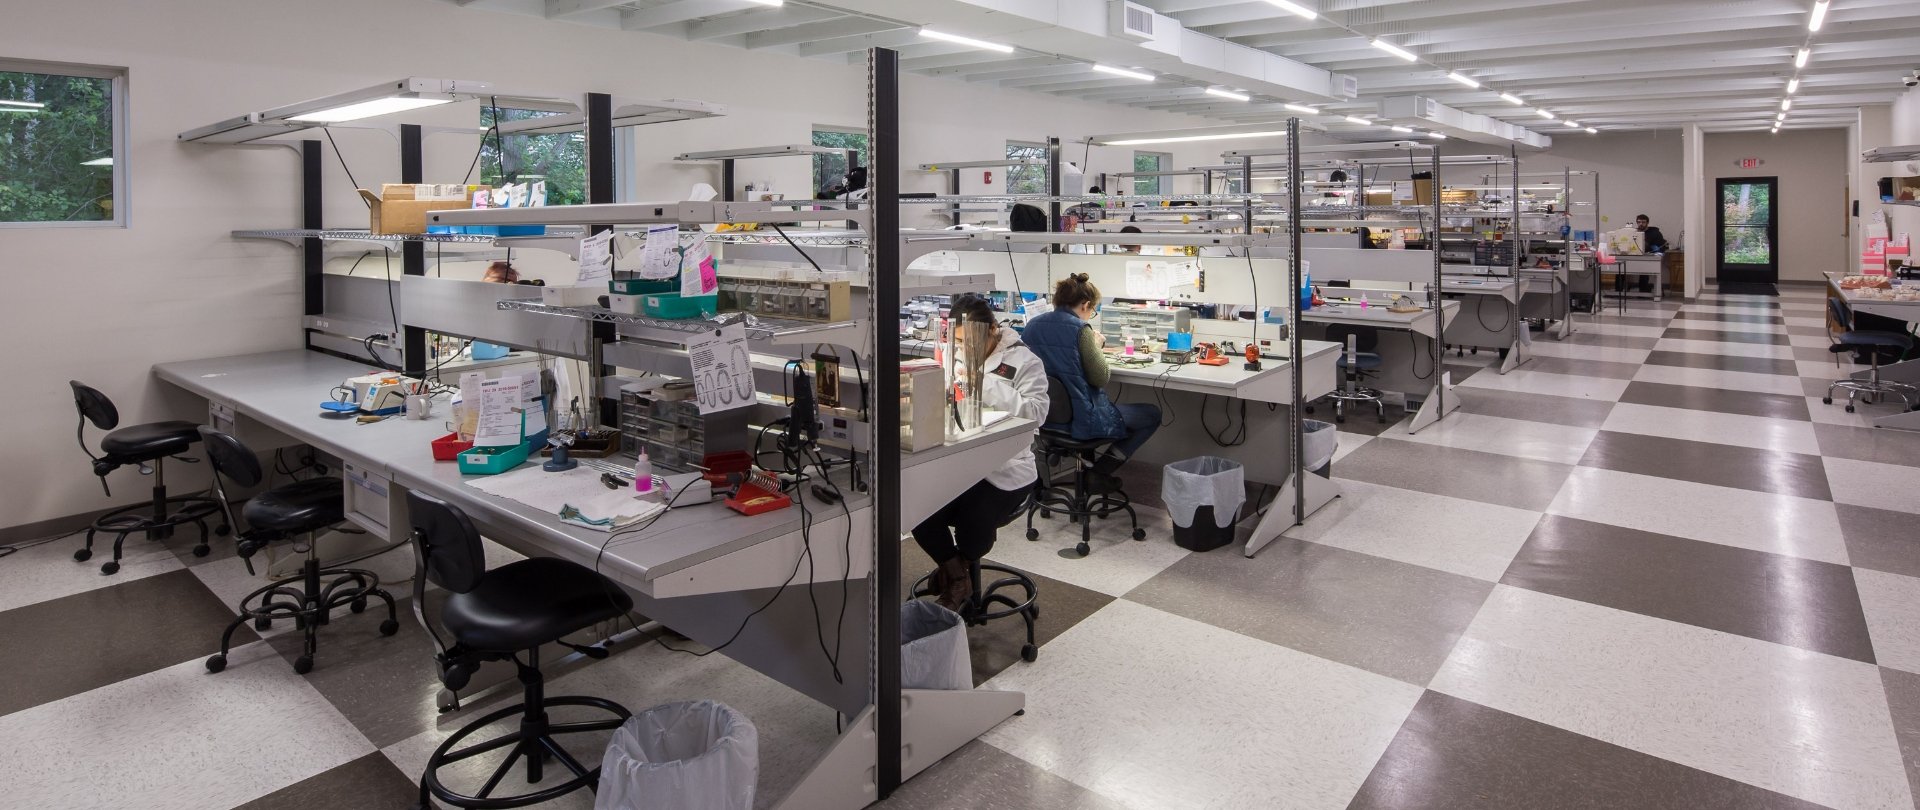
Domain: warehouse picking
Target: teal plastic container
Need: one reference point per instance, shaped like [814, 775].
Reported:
[674, 307]
[491, 460]
[642, 286]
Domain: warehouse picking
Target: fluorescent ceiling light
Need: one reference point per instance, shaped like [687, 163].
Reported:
[1572, 124]
[1462, 78]
[368, 109]
[1592, 131]
[1398, 128]
[105, 161]
[1391, 48]
[1437, 136]
[1190, 138]
[1780, 117]
[1819, 15]
[1351, 119]
[967, 41]
[1800, 57]
[774, 3]
[1225, 93]
[1786, 104]
[1131, 74]
[1545, 114]
[1511, 98]
[1793, 85]
[1289, 5]
[1301, 108]
[32, 104]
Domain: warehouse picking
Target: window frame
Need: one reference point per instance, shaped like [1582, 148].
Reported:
[1009, 169]
[118, 109]
[1161, 161]
[820, 161]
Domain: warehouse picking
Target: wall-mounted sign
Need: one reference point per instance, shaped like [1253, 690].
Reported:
[1750, 163]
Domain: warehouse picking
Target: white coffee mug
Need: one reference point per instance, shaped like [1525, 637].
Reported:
[419, 406]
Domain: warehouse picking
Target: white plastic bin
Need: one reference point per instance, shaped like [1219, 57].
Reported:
[695, 755]
[933, 648]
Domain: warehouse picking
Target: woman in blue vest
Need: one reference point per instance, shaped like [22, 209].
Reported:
[1070, 349]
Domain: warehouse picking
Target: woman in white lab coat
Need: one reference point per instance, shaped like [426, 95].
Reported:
[963, 531]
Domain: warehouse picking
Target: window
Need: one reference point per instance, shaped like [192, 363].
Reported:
[1027, 179]
[829, 170]
[560, 158]
[61, 128]
[1149, 162]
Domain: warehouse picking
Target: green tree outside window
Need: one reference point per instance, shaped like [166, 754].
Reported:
[56, 148]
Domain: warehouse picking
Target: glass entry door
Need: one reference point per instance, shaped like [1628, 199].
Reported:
[1748, 231]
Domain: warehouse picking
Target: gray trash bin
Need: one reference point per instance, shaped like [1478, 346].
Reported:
[695, 755]
[933, 648]
[1204, 495]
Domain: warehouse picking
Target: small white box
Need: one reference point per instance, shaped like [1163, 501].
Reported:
[583, 296]
[626, 304]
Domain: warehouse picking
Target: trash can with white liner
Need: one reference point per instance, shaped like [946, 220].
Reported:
[1319, 442]
[1203, 495]
[933, 648]
[693, 755]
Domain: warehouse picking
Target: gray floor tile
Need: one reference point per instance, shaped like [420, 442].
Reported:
[1869, 444]
[1569, 411]
[1755, 365]
[1386, 617]
[1699, 398]
[1723, 465]
[1706, 319]
[1640, 320]
[1808, 331]
[995, 646]
[1455, 753]
[1880, 539]
[368, 783]
[1684, 333]
[1590, 338]
[1485, 477]
[1584, 368]
[1903, 703]
[1787, 600]
[385, 685]
[982, 777]
[103, 636]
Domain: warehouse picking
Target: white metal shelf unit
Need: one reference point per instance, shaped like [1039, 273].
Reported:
[953, 170]
[728, 157]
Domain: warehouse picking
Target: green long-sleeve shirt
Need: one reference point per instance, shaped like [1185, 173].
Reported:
[1092, 362]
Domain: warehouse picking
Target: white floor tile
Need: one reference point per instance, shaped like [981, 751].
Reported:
[1781, 524]
[1798, 722]
[1723, 306]
[1714, 378]
[178, 738]
[49, 571]
[1157, 711]
[1349, 442]
[1826, 369]
[1808, 341]
[1836, 414]
[1117, 564]
[1785, 435]
[1577, 351]
[1512, 437]
[1716, 347]
[1799, 320]
[1869, 483]
[1527, 381]
[1800, 308]
[1734, 326]
[1605, 328]
[1448, 534]
[1892, 606]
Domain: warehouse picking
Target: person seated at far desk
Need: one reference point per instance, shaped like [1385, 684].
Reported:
[1134, 249]
[1070, 348]
[963, 531]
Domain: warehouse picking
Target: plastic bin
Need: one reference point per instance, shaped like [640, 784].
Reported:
[696, 755]
[1203, 495]
[933, 648]
[1316, 450]
[674, 306]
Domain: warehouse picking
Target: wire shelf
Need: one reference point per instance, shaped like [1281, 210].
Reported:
[758, 328]
[342, 235]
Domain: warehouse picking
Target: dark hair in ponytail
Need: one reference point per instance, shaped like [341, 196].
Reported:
[972, 307]
[1073, 291]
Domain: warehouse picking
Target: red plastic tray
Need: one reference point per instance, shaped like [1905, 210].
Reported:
[448, 447]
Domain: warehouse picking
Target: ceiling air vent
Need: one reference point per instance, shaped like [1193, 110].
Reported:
[1347, 85]
[1132, 20]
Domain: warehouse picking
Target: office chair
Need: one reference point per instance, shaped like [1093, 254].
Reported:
[1848, 339]
[507, 614]
[298, 510]
[1357, 362]
[148, 446]
[1076, 498]
[978, 610]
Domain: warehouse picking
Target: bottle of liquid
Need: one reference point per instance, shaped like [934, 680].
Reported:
[643, 473]
[1306, 287]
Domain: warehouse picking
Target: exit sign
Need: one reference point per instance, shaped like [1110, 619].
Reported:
[1751, 163]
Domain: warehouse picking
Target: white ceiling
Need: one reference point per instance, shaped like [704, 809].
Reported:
[1611, 64]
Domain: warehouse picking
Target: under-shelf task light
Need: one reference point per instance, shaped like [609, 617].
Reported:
[1572, 124]
[1819, 14]
[967, 41]
[1296, 8]
[1225, 93]
[383, 99]
[1438, 136]
[1391, 48]
[1130, 74]
[1463, 78]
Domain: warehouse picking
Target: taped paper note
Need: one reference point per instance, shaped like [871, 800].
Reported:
[660, 255]
[500, 411]
[698, 274]
[1149, 280]
[596, 260]
[722, 369]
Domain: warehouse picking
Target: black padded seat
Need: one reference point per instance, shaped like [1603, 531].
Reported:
[150, 441]
[523, 605]
[1848, 341]
[1062, 440]
[302, 506]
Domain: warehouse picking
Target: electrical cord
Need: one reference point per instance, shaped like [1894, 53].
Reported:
[1414, 362]
[1479, 314]
[493, 103]
[356, 262]
[343, 164]
[1220, 439]
[15, 548]
[1019, 292]
[797, 248]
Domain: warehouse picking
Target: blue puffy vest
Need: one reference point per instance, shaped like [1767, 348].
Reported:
[1055, 337]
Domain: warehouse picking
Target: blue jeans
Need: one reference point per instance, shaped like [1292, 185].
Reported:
[1142, 419]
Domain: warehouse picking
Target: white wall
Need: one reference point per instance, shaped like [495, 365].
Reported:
[1812, 199]
[103, 305]
[1640, 173]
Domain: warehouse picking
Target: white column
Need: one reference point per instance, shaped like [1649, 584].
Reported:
[1696, 217]
[1873, 129]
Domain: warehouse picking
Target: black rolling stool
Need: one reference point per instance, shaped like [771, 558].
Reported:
[1848, 340]
[1076, 499]
[979, 608]
[147, 446]
[506, 614]
[298, 510]
[1358, 361]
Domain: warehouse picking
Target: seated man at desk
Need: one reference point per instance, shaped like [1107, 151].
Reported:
[1653, 240]
[963, 531]
[1070, 348]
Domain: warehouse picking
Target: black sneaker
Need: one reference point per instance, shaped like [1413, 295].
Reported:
[1099, 483]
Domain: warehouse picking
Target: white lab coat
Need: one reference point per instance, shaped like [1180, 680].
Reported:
[1024, 395]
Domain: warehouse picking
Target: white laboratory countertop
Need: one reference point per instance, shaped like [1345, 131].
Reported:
[1901, 310]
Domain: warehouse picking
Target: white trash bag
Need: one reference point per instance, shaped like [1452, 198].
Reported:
[1320, 441]
[1187, 485]
[933, 648]
[693, 755]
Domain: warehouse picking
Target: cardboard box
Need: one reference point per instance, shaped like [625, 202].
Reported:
[1423, 192]
[400, 209]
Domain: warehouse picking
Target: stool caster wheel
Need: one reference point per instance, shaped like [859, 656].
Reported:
[1826, 400]
[201, 550]
[1340, 419]
[303, 665]
[83, 555]
[1139, 534]
[223, 530]
[109, 568]
[1029, 652]
[357, 605]
[262, 623]
[299, 623]
[389, 627]
[1309, 409]
[1033, 612]
[1083, 549]
[1033, 534]
[216, 662]
[1849, 408]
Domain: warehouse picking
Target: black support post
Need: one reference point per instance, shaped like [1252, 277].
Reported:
[600, 190]
[312, 257]
[414, 359]
[1054, 220]
[883, 179]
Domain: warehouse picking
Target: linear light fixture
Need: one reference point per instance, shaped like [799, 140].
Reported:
[773, 3]
[1279, 133]
[1354, 119]
[1463, 78]
[392, 97]
[1544, 114]
[1225, 93]
[1819, 14]
[967, 41]
[1800, 57]
[1780, 117]
[105, 161]
[1438, 136]
[19, 110]
[1786, 104]
[1296, 8]
[1130, 74]
[1793, 85]
[28, 104]
[1572, 124]
[1301, 108]
[1391, 48]
[1592, 131]
[1398, 128]
[1511, 98]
